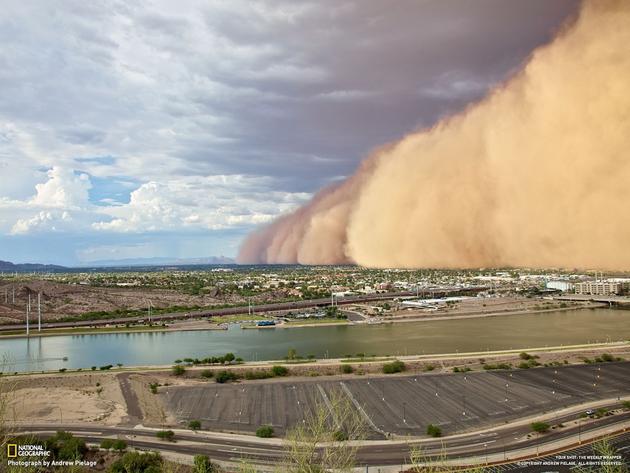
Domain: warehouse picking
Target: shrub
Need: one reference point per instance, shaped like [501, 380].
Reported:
[264, 431]
[194, 425]
[626, 405]
[105, 367]
[62, 370]
[224, 376]
[93, 368]
[258, 374]
[138, 463]
[340, 436]
[396, 366]
[64, 446]
[165, 435]
[207, 374]
[434, 431]
[204, 465]
[178, 370]
[153, 387]
[346, 369]
[106, 444]
[429, 367]
[540, 427]
[119, 445]
[279, 370]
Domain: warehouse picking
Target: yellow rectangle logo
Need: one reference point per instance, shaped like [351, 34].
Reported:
[11, 450]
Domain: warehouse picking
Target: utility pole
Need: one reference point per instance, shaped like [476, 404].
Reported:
[13, 289]
[28, 314]
[39, 311]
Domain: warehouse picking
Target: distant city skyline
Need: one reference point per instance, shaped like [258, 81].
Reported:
[172, 131]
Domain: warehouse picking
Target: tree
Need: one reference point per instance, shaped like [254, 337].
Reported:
[264, 431]
[315, 444]
[178, 370]
[292, 354]
[346, 369]
[229, 357]
[194, 425]
[540, 427]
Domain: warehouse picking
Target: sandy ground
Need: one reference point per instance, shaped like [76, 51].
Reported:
[71, 398]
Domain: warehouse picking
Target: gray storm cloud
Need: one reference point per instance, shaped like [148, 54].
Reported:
[537, 174]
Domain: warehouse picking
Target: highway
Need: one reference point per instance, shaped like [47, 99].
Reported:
[279, 306]
[510, 442]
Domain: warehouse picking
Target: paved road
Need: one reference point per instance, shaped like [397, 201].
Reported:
[561, 463]
[134, 413]
[234, 449]
[239, 310]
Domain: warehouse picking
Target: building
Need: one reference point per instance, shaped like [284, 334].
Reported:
[564, 286]
[602, 288]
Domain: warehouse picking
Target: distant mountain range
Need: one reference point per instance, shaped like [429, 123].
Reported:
[209, 260]
[8, 267]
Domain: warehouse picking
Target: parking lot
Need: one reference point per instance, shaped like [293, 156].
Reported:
[401, 404]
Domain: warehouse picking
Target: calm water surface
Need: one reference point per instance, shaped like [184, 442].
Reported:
[446, 336]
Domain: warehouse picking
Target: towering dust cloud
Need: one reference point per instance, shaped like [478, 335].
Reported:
[537, 174]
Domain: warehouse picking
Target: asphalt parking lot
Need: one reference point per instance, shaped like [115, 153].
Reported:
[401, 404]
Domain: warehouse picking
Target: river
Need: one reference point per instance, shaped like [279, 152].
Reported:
[430, 337]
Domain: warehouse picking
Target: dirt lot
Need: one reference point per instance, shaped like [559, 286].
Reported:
[67, 398]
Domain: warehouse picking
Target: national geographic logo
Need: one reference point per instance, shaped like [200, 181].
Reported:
[11, 450]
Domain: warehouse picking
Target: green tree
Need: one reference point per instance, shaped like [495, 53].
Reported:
[540, 427]
[194, 425]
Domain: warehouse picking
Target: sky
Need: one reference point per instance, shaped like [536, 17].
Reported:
[172, 129]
